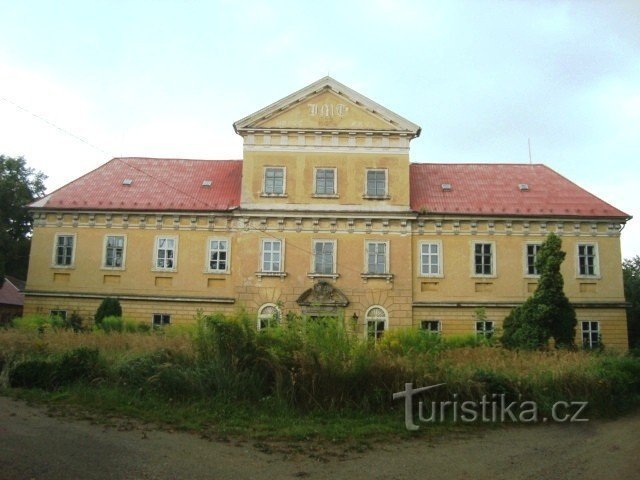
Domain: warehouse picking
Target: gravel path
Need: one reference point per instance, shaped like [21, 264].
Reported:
[34, 445]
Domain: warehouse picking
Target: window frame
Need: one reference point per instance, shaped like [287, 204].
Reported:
[377, 334]
[162, 323]
[421, 272]
[284, 181]
[596, 260]
[494, 260]
[484, 331]
[315, 193]
[74, 245]
[385, 195]
[207, 259]
[592, 345]
[387, 255]
[156, 246]
[438, 323]
[268, 317]
[334, 266]
[104, 252]
[262, 253]
[526, 258]
[58, 313]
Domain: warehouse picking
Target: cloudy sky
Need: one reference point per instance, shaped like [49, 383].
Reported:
[168, 79]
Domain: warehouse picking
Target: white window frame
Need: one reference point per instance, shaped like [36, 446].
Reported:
[104, 252]
[596, 261]
[525, 259]
[591, 344]
[366, 256]
[268, 317]
[156, 246]
[335, 183]
[334, 272]
[484, 331]
[494, 260]
[385, 196]
[262, 253]
[207, 265]
[421, 273]
[368, 319]
[438, 331]
[74, 246]
[162, 316]
[284, 181]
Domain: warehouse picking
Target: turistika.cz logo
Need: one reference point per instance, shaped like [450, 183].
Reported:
[490, 409]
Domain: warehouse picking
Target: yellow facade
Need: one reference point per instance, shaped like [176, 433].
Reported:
[345, 135]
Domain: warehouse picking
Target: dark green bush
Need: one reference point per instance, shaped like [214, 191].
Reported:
[33, 373]
[109, 307]
[80, 364]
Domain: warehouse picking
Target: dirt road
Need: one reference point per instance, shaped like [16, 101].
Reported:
[34, 445]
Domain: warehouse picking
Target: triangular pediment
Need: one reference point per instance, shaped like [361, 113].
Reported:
[326, 105]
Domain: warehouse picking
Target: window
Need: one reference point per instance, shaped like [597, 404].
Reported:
[430, 258]
[325, 181]
[588, 260]
[324, 257]
[484, 329]
[272, 255]
[377, 257]
[431, 326]
[61, 314]
[268, 316]
[218, 255]
[161, 319]
[483, 259]
[166, 253]
[114, 251]
[590, 335]
[274, 181]
[376, 183]
[532, 250]
[63, 254]
[376, 322]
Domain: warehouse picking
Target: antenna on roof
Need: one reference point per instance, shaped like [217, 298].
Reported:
[529, 140]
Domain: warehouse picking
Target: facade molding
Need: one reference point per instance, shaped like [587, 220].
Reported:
[154, 298]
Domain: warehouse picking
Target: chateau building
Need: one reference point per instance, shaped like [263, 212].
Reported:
[325, 215]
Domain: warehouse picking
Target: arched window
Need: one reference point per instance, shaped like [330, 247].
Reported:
[268, 316]
[376, 321]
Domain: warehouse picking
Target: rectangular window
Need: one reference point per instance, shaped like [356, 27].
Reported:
[272, 255]
[484, 329]
[324, 256]
[376, 183]
[161, 319]
[532, 257]
[430, 259]
[325, 181]
[114, 251]
[274, 181]
[431, 326]
[483, 258]
[590, 335]
[587, 259]
[166, 248]
[61, 314]
[63, 256]
[377, 257]
[218, 255]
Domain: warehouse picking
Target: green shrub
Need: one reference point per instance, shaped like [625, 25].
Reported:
[74, 322]
[112, 324]
[80, 364]
[33, 373]
[31, 322]
[109, 307]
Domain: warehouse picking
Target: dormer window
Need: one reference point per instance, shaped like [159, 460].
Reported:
[274, 181]
[376, 183]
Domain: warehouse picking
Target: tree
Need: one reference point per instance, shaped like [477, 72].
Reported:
[109, 307]
[548, 312]
[19, 186]
[631, 277]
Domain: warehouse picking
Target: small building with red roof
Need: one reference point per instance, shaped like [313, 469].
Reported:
[325, 214]
[11, 299]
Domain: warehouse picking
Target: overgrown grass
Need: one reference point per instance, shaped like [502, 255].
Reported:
[303, 378]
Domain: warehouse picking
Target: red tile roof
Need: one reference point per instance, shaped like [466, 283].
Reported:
[493, 189]
[156, 184]
[10, 292]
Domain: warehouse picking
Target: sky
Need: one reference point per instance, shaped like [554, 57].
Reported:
[84, 81]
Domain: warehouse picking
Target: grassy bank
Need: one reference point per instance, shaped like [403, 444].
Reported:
[299, 380]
